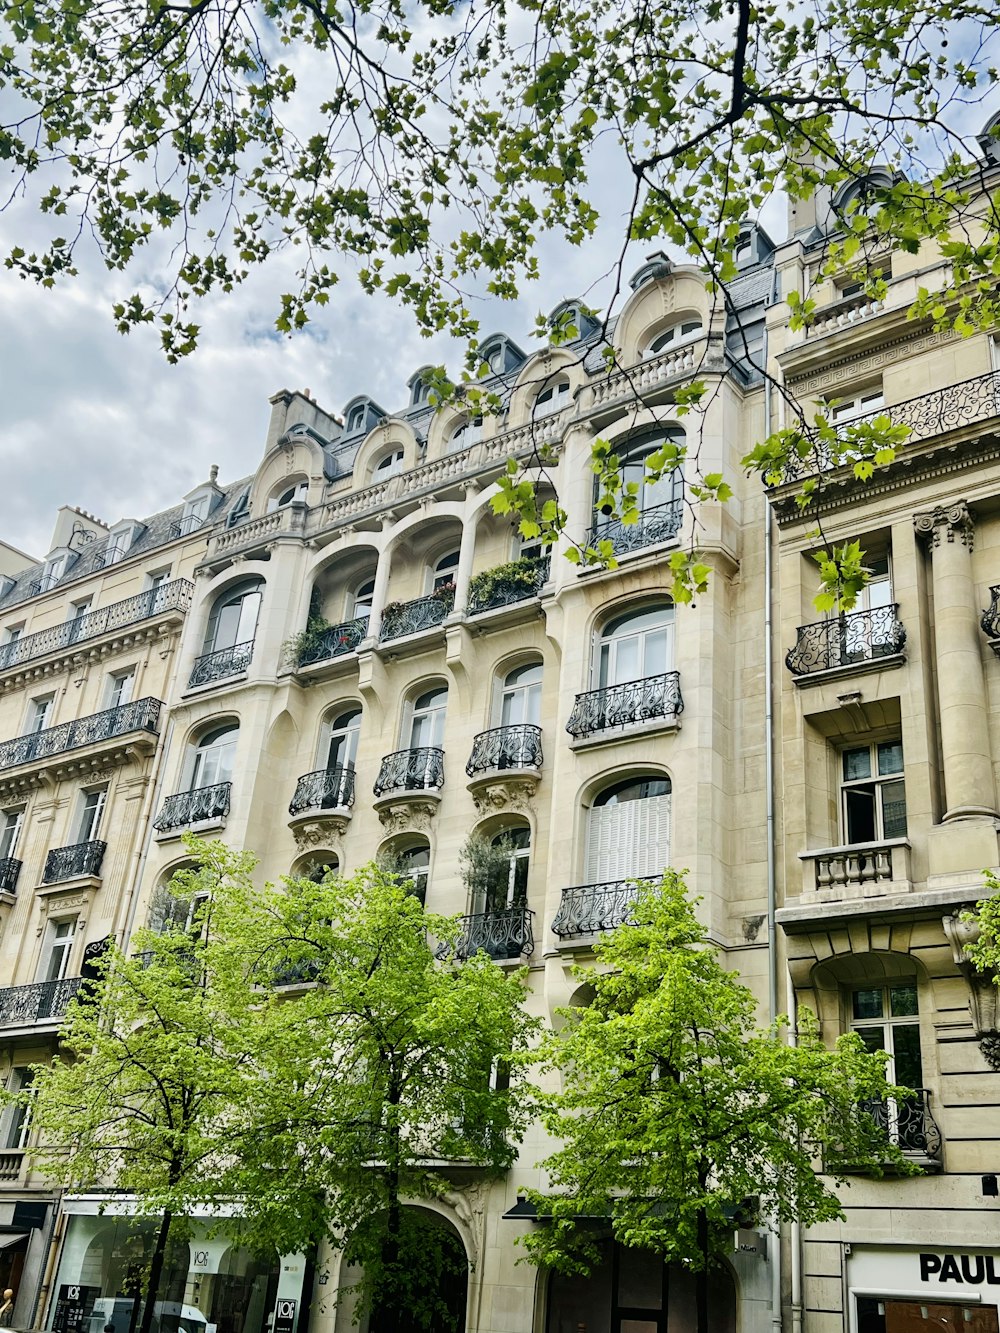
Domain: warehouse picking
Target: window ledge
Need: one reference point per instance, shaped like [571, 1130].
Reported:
[862, 667]
[656, 726]
[199, 826]
[196, 691]
[630, 558]
[75, 884]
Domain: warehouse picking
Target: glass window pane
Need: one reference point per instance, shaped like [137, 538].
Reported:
[906, 1048]
[867, 1003]
[873, 1037]
[859, 815]
[890, 758]
[627, 665]
[902, 1001]
[857, 764]
[640, 1281]
[893, 810]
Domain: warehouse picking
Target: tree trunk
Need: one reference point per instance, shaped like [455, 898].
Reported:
[390, 1316]
[155, 1272]
[701, 1276]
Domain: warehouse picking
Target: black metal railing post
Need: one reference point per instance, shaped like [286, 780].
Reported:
[661, 523]
[194, 807]
[621, 705]
[218, 665]
[10, 870]
[421, 769]
[586, 909]
[82, 858]
[326, 789]
[845, 640]
[502, 748]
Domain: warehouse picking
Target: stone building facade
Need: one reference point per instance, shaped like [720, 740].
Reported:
[347, 654]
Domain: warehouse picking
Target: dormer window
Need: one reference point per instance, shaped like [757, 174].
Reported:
[553, 398]
[356, 419]
[194, 515]
[120, 541]
[420, 389]
[744, 249]
[683, 332]
[389, 464]
[296, 493]
[240, 510]
[52, 571]
[6, 583]
[500, 354]
[362, 415]
[466, 433]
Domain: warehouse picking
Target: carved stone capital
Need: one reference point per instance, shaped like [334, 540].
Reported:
[501, 792]
[408, 812]
[323, 831]
[948, 522]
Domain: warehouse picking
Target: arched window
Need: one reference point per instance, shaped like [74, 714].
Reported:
[413, 866]
[669, 489]
[389, 464]
[361, 602]
[355, 419]
[634, 646]
[211, 760]
[469, 431]
[628, 830]
[427, 718]
[340, 744]
[234, 616]
[679, 333]
[327, 863]
[287, 495]
[443, 573]
[552, 398]
[520, 696]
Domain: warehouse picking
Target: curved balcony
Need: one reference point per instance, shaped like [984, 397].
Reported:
[507, 585]
[659, 524]
[851, 640]
[991, 620]
[82, 858]
[423, 613]
[201, 805]
[173, 597]
[10, 870]
[618, 706]
[421, 769]
[40, 1002]
[504, 935]
[335, 641]
[224, 662]
[326, 789]
[587, 909]
[504, 748]
[908, 1124]
[141, 715]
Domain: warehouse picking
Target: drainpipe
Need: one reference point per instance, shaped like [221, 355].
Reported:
[796, 1228]
[149, 813]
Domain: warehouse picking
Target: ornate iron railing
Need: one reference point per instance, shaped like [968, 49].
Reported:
[194, 807]
[82, 858]
[859, 636]
[621, 705]
[42, 1000]
[175, 596]
[422, 613]
[506, 747]
[659, 524]
[411, 770]
[585, 909]
[507, 585]
[930, 414]
[991, 616]
[334, 642]
[908, 1123]
[326, 789]
[505, 934]
[140, 715]
[10, 870]
[220, 664]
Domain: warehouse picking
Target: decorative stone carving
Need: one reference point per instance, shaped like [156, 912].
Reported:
[320, 833]
[954, 522]
[469, 1206]
[501, 792]
[857, 368]
[407, 813]
[984, 995]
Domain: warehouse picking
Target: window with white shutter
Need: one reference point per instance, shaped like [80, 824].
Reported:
[628, 831]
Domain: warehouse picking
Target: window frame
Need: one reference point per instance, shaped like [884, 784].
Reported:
[875, 779]
[12, 817]
[603, 671]
[675, 336]
[209, 744]
[92, 804]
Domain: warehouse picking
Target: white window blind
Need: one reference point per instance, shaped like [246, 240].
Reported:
[628, 838]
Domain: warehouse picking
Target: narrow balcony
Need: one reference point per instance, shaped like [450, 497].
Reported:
[991, 620]
[587, 909]
[858, 640]
[82, 858]
[334, 641]
[221, 664]
[10, 870]
[402, 618]
[421, 769]
[170, 598]
[326, 789]
[201, 805]
[504, 935]
[504, 748]
[907, 1123]
[142, 715]
[619, 706]
[653, 526]
[39, 1002]
[864, 870]
[507, 585]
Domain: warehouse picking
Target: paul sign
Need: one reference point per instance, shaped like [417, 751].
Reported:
[975, 1269]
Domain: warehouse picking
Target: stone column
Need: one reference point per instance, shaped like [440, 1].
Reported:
[382, 571]
[466, 553]
[965, 742]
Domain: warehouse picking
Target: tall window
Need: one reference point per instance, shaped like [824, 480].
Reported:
[668, 490]
[119, 688]
[212, 758]
[427, 719]
[91, 812]
[10, 831]
[873, 794]
[57, 949]
[443, 572]
[341, 747]
[634, 646]
[886, 1019]
[16, 1119]
[414, 867]
[39, 712]
[361, 602]
[234, 616]
[628, 830]
[521, 696]
[508, 887]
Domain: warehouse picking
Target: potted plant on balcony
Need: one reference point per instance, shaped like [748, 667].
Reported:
[513, 582]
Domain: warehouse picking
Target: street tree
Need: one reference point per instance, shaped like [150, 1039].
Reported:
[675, 1105]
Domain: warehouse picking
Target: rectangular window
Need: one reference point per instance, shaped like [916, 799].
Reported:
[91, 811]
[848, 407]
[890, 1315]
[10, 831]
[56, 952]
[119, 688]
[16, 1119]
[873, 795]
[39, 712]
[12, 633]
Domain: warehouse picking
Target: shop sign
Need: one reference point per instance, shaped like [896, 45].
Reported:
[972, 1269]
[74, 1305]
[284, 1316]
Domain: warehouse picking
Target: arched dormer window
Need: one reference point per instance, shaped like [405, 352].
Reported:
[362, 415]
[553, 397]
[293, 493]
[388, 465]
[684, 331]
[501, 354]
[863, 195]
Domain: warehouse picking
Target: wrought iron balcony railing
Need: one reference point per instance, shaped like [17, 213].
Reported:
[223, 662]
[930, 414]
[847, 640]
[908, 1123]
[411, 770]
[334, 642]
[991, 616]
[326, 789]
[82, 858]
[422, 613]
[587, 908]
[37, 1003]
[506, 747]
[622, 705]
[10, 870]
[659, 524]
[174, 596]
[504, 934]
[508, 584]
[194, 807]
[140, 715]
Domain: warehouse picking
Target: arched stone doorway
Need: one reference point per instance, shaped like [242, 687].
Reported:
[633, 1291]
